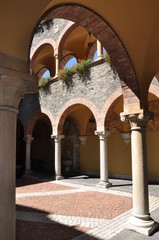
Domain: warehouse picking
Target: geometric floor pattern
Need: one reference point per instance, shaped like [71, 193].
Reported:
[64, 211]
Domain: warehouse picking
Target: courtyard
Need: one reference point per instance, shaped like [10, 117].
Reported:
[76, 209]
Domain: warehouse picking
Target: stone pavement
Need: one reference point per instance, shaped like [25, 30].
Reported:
[69, 209]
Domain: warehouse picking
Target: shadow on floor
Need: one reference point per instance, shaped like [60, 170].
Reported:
[33, 229]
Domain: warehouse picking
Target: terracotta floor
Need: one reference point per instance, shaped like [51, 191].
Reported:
[74, 210]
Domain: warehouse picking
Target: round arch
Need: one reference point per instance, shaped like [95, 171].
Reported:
[42, 44]
[66, 109]
[63, 36]
[66, 59]
[110, 41]
[111, 101]
[37, 116]
[92, 50]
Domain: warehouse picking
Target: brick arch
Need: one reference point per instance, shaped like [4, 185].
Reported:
[108, 106]
[114, 99]
[92, 50]
[66, 59]
[41, 72]
[109, 40]
[39, 47]
[66, 109]
[37, 116]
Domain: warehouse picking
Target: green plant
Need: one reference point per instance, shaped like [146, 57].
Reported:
[109, 61]
[46, 23]
[44, 85]
[82, 67]
[65, 75]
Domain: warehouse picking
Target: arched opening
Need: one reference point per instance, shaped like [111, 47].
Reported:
[42, 59]
[70, 152]
[118, 143]
[95, 54]
[44, 72]
[20, 150]
[110, 41]
[80, 144]
[71, 62]
[42, 148]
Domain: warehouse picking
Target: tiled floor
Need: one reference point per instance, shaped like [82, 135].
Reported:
[65, 210]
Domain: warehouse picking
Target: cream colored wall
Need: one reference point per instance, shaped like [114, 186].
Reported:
[119, 155]
[89, 155]
[153, 153]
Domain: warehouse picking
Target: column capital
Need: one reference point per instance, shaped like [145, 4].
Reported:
[57, 138]
[137, 120]
[56, 56]
[13, 88]
[28, 138]
[83, 139]
[102, 134]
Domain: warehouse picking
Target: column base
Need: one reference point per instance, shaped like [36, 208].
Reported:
[103, 184]
[146, 225]
[59, 177]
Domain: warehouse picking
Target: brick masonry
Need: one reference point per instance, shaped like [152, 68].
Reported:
[85, 219]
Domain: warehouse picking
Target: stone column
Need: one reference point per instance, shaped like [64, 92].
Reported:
[56, 65]
[104, 183]
[28, 139]
[11, 91]
[58, 156]
[140, 220]
[99, 50]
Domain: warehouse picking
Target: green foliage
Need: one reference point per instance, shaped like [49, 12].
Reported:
[44, 85]
[47, 23]
[66, 74]
[107, 58]
[82, 67]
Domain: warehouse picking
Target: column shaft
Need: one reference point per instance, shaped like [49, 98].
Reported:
[104, 182]
[103, 160]
[139, 173]
[140, 221]
[8, 120]
[56, 65]
[99, 50]
[58, 157]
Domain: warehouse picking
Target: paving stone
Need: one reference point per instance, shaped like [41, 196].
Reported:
[76, 212]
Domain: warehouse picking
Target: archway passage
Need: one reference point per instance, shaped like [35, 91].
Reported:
[110, 41]
[80, 144]
[42, 150]
[70, 148]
